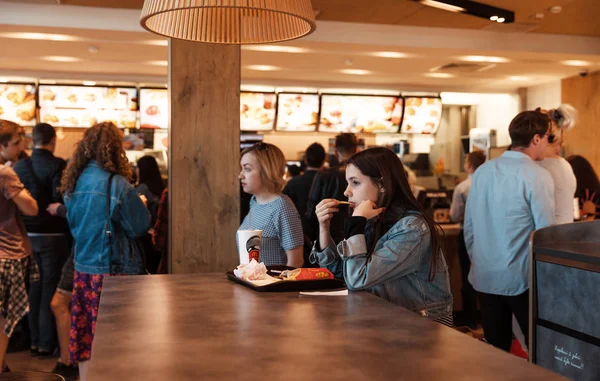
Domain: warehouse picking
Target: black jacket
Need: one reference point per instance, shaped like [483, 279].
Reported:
[298, 189]
[329, 183]
[43, 185]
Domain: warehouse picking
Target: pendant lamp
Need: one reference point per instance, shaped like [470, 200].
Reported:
[229, 21]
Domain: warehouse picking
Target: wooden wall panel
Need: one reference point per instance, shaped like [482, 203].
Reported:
[583, 93]
[67, 139]
[204, 85]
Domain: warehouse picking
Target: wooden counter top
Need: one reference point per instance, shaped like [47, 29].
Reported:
[204, 327]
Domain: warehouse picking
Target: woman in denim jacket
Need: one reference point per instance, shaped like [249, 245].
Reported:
[391, 247]
[85, 184]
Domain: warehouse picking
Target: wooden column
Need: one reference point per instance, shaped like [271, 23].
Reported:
[204, 141]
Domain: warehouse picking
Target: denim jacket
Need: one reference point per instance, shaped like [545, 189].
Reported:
[88, 221]
[397, 270]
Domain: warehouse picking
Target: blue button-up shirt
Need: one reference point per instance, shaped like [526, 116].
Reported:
[510, 197]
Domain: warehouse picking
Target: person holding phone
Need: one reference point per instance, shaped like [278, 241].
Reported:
[392, 247]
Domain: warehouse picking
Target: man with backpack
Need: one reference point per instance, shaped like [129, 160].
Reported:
[49, 235]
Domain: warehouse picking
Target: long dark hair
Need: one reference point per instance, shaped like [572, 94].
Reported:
[585, 175]
[150, 175]
[385, 168]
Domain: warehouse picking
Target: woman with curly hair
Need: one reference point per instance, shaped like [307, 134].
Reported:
[106, 216]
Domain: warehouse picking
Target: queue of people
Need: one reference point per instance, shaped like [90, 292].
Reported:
[64, 227]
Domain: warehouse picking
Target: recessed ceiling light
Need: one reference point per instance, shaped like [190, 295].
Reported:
[158, 63]
[156, 42]
[501, 20]
[484, 59]
[443, 6]
[518, 78]
[60, 59]
[355, 71]
[3, 80]
[263, 67]
[494, 18]
[575, 63]
[89, 83]
[439, 75]
[276, 48]
[40, 36]
[389, 54]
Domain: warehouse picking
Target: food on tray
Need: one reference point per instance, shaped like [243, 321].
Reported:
[306, 274]
[153, 110]
[50, 119]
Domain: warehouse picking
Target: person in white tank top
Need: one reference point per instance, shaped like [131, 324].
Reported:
[565, 183]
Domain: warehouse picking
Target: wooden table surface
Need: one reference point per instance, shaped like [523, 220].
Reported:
[30, 376]
[204, 327]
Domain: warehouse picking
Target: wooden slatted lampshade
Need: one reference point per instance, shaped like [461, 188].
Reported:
[229, 21]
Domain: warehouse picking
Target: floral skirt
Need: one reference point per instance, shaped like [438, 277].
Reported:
[87, 289]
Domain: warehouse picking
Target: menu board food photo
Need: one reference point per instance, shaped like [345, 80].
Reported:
[17, 103]
[360, 113]
[154, 108]
[257, 111]
[84, 106]
[422, 115]
[297, 112]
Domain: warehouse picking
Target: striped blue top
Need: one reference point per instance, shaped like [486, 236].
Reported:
[281, 226]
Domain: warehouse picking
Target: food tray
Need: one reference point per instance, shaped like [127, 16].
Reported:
[291, 285]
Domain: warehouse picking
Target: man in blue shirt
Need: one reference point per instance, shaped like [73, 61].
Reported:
[510, 197]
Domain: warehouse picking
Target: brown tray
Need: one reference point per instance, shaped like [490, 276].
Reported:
[291, 285]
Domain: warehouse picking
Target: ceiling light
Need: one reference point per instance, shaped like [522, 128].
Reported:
[389, 54]
[60, 59]
[158, 63]
[3, 80]
[501, 20]
[89, 83]
[93, 49]
[494, 18]
[518, 78]
[263, 67]
[575, 63]
[39, 36]
[156, 42]
[276, 49]
[488, 59]
[355, 71]
[443, 6]
[439, 75]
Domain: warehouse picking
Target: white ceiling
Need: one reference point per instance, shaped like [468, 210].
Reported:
[126, 53]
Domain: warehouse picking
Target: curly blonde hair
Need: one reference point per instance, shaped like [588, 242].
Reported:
[104, 143]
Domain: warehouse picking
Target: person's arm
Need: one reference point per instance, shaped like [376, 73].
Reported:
[457, 208]
[26, 204]
[541, 199]
[401, 254]
[290, 232]
[131, 213]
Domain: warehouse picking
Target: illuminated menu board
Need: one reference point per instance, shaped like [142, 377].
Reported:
[422, 115]
[297, 112]
[154, 108]
[257, 111]
[360, 113]
[84, 106]
[17, 103]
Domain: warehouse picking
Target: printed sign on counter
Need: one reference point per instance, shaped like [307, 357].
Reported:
[17, 103]
[359, 113]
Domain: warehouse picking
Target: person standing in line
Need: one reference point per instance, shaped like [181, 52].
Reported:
[565, 183]
[298, 188]
[49, 235]
[17, 268]
[331, 183]
[106, 217]
[588, 187]
[509, 198]
[457, 214]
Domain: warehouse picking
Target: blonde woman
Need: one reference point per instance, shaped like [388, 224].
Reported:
[263, 168]
[565, 184]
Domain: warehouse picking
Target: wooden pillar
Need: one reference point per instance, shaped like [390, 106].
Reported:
[204, 141]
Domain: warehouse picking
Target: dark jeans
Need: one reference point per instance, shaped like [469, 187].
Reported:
[469, 299]
[50, 253]
[496, 317]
